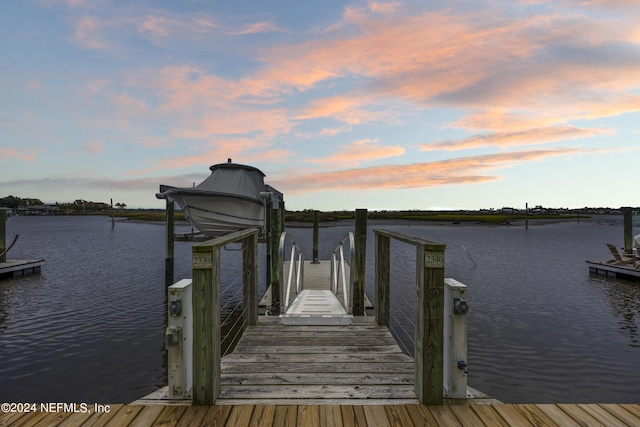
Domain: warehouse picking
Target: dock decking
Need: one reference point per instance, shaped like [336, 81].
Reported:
[15, 268]
[611, 415]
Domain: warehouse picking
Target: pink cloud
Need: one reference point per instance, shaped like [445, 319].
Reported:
[94, 147]
[7, 154]
[358, 152]
[510, 139]
[462, 170]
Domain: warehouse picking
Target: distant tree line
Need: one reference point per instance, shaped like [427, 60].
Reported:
[17, 202]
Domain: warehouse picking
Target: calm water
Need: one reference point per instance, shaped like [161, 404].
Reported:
[90, 327]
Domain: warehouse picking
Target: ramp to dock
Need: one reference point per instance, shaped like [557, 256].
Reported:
[283, 365]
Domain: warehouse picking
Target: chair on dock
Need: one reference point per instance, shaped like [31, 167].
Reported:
[620, 259]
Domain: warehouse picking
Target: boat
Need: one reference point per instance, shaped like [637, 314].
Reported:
[234, 197]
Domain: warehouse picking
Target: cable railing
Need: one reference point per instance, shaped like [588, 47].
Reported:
[295, 265]
[339, 266]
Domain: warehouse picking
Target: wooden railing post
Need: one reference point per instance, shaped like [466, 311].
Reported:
[250, 278]
[274, 244]
[316, 225]
[628, 230]
[429, 345]
[383, 279]
[206, 324]
[359, 266]
[169, 245]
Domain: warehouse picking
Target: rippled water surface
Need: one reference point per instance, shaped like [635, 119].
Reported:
[90, 327]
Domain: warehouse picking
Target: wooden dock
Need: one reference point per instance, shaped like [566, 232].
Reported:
[522, 415]
[14, 268]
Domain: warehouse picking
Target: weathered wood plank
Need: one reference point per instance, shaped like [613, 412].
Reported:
[310, 349]
[387, 391]
[264, 378]
[337, 341]
[370, 367]
[319, 358]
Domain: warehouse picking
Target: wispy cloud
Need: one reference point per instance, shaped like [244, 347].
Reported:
[359, 152]
[8, 154]
[461, 170]
[510, 139]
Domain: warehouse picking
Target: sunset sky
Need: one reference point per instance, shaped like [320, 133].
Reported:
[342, 104]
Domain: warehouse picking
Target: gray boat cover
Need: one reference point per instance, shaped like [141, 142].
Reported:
[234, 179]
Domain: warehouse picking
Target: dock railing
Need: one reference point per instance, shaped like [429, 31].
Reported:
[429, 340]
[338, 271]
[206, 307]
[295, 266]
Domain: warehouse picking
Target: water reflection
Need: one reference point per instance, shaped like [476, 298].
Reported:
[624, 300]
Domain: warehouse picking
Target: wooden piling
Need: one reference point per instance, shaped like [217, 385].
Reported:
[628, 230]
[274, 242]
[206, 323]
[169, 245]
[429, 357]
[3, 234]
[429, 340]
[360, 243]
[207, 333]
[383, 279]
[250, 278]
[316, 224]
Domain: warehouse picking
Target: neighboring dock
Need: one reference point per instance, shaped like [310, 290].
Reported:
[13, 268]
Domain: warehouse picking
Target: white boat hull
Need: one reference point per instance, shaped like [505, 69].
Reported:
[216, 216]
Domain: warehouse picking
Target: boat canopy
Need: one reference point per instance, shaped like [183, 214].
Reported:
[234, 179]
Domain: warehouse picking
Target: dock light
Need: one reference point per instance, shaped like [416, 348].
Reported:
[175, 307]
[460, 306]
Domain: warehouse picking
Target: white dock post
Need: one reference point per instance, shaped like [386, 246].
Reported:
[179, 340]
[455, 339]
